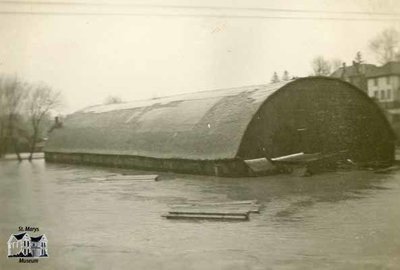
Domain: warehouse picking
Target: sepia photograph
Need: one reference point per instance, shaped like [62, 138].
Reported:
[191, 135]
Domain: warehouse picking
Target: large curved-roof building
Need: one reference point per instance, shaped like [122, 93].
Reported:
[199, 132]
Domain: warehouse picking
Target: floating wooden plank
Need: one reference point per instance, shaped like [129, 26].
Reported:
[208, 217]
[102, 177]
[306, 158]
[209, 212]
[153, 177]
[232, 210]
[246, 202]
[222, 208]
[387, 169]
[298, 157]
[249, 205]
[145, 177]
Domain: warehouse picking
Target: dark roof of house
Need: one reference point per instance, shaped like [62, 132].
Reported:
[370, 71]
[390, 68]
[36, 239]
[19, 236]
[351, 71]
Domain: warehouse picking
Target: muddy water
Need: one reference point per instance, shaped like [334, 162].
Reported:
[342, 220]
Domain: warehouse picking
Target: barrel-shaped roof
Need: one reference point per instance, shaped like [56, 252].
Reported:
[203, 125]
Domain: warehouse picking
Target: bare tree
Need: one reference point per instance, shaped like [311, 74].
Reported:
[12, 96]
[386, 45]
[336, 64]
[321, 66]
[358, 59]
[112, 100]
[42, 100]
[275, 78]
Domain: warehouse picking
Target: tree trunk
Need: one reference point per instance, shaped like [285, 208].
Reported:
[7, 139]
[33, 144]
[2, 142]
[2, 138]
[15, 142]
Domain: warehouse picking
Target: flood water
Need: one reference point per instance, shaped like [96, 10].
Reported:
[342, 220]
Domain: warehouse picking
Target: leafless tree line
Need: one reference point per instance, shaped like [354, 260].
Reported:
[385, 46]
[24, 108]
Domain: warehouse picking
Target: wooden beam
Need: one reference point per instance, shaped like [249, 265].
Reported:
[207, 217]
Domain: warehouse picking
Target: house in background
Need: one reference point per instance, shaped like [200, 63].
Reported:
[382, 83]
[355, 74]
[22, 245]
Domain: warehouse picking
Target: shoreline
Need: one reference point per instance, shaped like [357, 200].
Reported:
[24, 156]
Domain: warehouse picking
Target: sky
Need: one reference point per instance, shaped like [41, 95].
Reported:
[92, 49]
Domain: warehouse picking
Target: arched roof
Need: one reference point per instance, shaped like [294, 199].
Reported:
[201, 126]
[205, 125]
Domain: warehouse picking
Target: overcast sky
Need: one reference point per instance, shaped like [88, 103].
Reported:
[144, 52]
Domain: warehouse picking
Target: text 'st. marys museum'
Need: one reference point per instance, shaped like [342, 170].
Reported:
[215, 131]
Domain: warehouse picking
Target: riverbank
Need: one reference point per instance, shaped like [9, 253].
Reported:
[24, 156]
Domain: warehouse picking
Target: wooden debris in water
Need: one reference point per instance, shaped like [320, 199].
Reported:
[246, 202]
[116, 177]
[153, 177]
[236, 210]
[388, 169]
[217, 208]
[292, 158]
[226, 217]
[209, 211]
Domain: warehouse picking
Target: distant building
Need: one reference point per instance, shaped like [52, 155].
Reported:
[384, 85]
[356, 74]
[380, 83]
[22, 245]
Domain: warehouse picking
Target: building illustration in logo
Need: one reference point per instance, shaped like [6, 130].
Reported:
[23, 245]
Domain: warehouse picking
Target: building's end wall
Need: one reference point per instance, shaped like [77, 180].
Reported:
[320, 116]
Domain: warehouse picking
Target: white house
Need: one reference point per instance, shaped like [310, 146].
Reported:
[22, 245]
[381, 83]
[384, 84]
